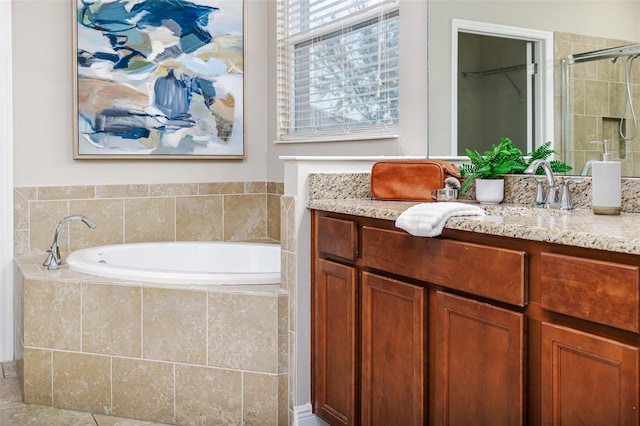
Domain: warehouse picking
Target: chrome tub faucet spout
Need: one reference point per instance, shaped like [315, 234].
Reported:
[53, 260]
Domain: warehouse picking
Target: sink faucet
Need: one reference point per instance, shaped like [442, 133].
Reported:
[551, 198]
[54, 260]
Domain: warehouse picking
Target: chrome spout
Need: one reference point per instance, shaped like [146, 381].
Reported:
[551, 197]
[586, 168]
[54, 260]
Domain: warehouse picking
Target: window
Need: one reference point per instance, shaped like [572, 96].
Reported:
[338, 65]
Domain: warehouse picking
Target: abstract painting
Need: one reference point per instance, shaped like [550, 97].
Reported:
[158, 79]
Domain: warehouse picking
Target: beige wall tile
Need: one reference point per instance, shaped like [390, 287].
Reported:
[251, 216]
[212, 188]
[208, 396]
[175, 325]
[292, 371]
[283, 334]
[287, 226]
[173, 189]
[283, 399]
[82, 382]
[111, 320]
[122, 191]
[65, 192]
[37, 376]
[596, 98]
[577, 100]
[21, 244]
[52, 314]
[43, 219]
[149, 219]
[143, 389]
[108, 214]
[273, 217]
[199, 218]
[289, 277]
[586, 130]
[29, 193]
[20, 211]
[275, 188]
[243, 332]
[245, 217]
[260, 399]
[255, 187]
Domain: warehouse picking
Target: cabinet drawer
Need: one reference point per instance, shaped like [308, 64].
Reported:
[491, 272]
[598, 291]
[337, 237]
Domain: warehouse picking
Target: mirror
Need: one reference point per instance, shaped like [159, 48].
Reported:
[576, 27]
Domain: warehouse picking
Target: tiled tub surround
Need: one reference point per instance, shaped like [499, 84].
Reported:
[213, 211]
[215, 355]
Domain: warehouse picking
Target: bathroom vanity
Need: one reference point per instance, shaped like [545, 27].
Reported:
[506, 319]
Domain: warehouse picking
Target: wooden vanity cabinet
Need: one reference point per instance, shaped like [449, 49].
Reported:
[335, 352]
[393, 352]
[470, 329]
[587, 379]
[371, 330]
[478, 364]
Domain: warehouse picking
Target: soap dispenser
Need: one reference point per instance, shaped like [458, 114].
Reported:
[606, 183]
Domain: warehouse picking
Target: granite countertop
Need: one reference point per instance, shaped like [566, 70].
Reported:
[580, 227]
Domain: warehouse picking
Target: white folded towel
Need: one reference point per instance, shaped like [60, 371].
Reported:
[428, 219]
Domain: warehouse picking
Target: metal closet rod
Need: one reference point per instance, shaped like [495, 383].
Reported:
[609, 53]
[495, 70]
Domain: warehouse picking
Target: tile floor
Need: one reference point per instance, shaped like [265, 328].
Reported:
[13, 412]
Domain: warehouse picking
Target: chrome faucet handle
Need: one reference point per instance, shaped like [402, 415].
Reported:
[565, 195]
[539, 199]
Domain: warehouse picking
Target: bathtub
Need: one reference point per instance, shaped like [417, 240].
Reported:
[203, 263]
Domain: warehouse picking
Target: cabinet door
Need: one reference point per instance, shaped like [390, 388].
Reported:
[587, 380]
[393, 352]
[334, 355]
[479, 363]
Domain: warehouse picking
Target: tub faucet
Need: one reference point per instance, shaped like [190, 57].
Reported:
[54, 260]
[551, 197]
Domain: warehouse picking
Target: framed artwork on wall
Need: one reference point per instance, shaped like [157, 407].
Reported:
[158, 79]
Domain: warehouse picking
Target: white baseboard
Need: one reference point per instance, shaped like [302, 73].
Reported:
[303, 416]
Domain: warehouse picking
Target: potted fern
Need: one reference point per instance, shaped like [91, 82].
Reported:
[543, 152]
[487, 170]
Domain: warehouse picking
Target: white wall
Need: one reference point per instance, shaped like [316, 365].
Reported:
[42, 70]
[43, 137]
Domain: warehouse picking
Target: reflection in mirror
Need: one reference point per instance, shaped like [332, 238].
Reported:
[601, 90]
[500, 86]
[494, 92]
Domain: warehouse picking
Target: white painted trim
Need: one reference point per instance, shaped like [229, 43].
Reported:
[544, 56]
[303, 416]
[6, 186]
[296, 173]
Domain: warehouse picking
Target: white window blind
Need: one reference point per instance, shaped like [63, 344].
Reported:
[338, 67]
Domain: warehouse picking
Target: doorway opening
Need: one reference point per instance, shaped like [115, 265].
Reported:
[502, 86]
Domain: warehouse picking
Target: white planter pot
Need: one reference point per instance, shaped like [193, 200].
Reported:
[489, 191]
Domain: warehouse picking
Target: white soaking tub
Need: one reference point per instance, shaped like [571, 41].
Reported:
[205, 263]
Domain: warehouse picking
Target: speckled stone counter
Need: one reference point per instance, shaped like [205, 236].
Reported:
[580, 227]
